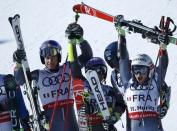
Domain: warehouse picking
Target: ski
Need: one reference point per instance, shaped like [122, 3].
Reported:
[133, 26]
[10, 88]
[78, 92]
[95, 85]
[36, 123]
[78, 86]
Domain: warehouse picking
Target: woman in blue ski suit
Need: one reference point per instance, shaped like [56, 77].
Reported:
[143, 83]
[13, 112]
[54, 87]
[89, 110]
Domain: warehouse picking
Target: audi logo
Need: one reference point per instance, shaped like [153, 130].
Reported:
[54, 80]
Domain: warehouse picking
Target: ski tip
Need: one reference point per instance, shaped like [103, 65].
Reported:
[15, 17]
[76, 8]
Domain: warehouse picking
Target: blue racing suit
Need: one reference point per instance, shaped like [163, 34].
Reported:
[142, 99]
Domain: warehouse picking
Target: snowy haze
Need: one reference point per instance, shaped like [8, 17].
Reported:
[47, 19]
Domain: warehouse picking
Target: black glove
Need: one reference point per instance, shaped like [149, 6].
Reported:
[19, 55]
[117, 20]
[74, 31]
[162, 111]
[113, 118]
[163, 38]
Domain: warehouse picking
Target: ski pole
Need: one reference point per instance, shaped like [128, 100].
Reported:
[58, 94]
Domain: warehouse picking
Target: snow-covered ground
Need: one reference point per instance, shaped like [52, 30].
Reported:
[42, 20]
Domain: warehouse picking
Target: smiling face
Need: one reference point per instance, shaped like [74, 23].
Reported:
[51, 62]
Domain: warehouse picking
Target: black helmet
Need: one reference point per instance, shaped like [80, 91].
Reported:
[97, 64]
[111, 54]
[50, 48]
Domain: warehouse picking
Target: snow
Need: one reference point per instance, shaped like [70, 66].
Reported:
[42, 20]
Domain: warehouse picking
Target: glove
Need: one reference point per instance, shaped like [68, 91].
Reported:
[117, 23]
[165, 95]
[162, 111]
[74, 31]
[164, 41]
[163, 38]
[89, 108]
[19, 55]
[113, 118]
[86, 96]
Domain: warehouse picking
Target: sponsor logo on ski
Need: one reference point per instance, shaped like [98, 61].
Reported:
[90, 11]
[13, 117]
[98, 93]
[17, 30]
[11, 94]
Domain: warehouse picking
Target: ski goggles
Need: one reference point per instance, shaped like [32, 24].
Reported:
[49, 52]
[139, 69]
[98, 69]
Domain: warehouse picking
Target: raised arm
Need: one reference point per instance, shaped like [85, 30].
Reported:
[124, 63]
[163, 64]
[75, 37]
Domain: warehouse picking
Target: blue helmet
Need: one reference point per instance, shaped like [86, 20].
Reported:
[97, 64]
[50, 48]
[111, 54]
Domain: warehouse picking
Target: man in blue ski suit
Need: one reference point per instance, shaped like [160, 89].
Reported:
[54, 86]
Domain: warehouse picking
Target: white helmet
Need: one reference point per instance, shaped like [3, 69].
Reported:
[145, 60]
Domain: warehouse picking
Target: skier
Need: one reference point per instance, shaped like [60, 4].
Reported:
[143, 85]
[90, 107]
[13, 111]
[54, 86]
[111, 55]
